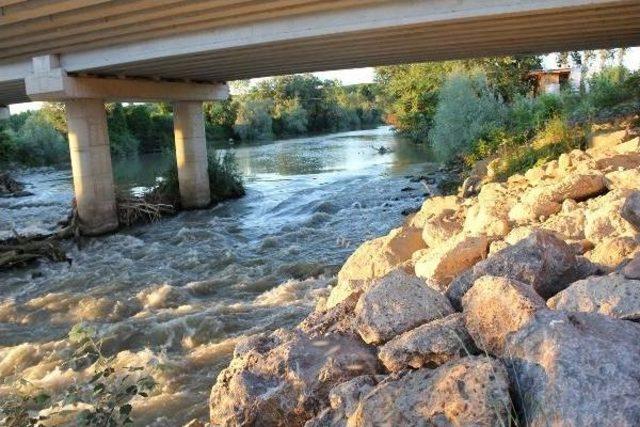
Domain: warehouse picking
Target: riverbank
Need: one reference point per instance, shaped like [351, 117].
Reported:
[494, 309]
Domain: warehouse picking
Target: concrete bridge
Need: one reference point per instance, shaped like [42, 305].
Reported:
[87, 52]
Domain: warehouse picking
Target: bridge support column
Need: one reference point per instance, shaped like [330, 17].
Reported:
[191, 154]
[91, 165]
[4, 112]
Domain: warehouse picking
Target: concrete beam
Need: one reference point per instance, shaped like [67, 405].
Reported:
[91, 166]
[56, 85]
[191, 155]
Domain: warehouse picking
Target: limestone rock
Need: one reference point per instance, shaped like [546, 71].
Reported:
[338, 319]
[631, 209]
[344, 399]
[576, 369]
[610, 253]
[470, 391]
[374, 259]
[613, 295]
[284, 378]
[632, 269]
[495, 307]
[629, 179]
[432, 207]
[604, 217]
[567, 225]
[445, 262]
[396, 304]
[438, 229]
[430, 345]
[547, 200]
[541, 260]
[607, 139]
[490, 216]
[612, 162]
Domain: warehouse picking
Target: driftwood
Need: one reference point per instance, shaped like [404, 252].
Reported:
[19, 251]
[139, 210]
[8, 185]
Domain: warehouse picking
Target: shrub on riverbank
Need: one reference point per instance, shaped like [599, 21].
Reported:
[225, 181]
[36, 143]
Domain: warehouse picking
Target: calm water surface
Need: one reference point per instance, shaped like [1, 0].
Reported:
[177, 294]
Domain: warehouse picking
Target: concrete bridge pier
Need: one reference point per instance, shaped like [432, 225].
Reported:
[91, 165]
[191, 154]
[84, 98]
[4, 112]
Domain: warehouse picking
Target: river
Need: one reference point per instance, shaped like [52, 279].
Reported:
[174, 296]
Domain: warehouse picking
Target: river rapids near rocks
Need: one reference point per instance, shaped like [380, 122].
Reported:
[174, 296]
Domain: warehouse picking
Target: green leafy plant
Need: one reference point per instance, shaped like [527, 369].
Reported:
[105, 400]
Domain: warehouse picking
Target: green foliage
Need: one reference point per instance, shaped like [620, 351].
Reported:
[122, 141]
[290, 118]
[38, 143]
[104, 400]
[467, 110]
[254, 122]
[301, 104]
[7, 143]
[54, 113]
[409, 93]
[225, 180]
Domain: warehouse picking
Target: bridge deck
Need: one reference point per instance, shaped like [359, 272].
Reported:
[223, 40]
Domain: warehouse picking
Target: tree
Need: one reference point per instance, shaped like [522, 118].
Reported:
[38, 143]
[122, 141]
[254, 120]
[467, 110]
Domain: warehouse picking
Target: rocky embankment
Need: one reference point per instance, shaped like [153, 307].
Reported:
[517, 305]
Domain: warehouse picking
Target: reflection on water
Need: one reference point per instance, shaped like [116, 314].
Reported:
[178, 293]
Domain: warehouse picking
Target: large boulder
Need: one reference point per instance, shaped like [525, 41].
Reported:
[445, 262]
[344, 400]
[336, 320]
[546, 200]
[575, 369]
[430, 345]
[490, 216]
[624, 179]
[284, 378]
[631, 209]
[495, 307]
[374, 259]
[396, 304]
[465, 392]
[439, 229]
[542, 261]
[605, 217]
[610, 253]
[613, 295]
[433, 207]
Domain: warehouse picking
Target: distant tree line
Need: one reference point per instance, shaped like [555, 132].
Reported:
[273, 108]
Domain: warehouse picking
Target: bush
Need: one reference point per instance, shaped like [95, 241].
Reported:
[254, 122]
[467, 110]
[225, 180]
[38, 143]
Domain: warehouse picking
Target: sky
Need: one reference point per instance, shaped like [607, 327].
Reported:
[366, 75]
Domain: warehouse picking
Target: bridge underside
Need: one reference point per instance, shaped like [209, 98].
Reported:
[86, 52]
[307, 36]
